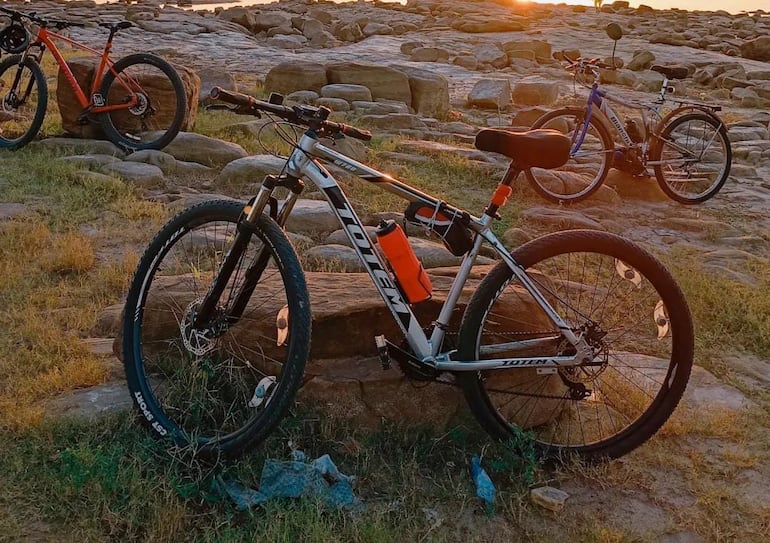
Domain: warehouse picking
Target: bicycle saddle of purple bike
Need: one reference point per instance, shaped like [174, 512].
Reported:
[534, 149]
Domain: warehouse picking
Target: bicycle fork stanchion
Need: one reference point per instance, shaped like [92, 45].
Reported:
[242, 238]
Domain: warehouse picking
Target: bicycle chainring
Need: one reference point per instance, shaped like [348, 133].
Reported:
[411, 367]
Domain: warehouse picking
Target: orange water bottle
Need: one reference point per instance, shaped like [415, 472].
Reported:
[410, 275]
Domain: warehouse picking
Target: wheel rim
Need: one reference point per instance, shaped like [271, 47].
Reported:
[588, 159]
[156, 103]
[19, 105]
[212, 382]
[693, 158]
[588, 407]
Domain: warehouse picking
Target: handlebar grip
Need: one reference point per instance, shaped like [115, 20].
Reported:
[218, 93]
[357, 133]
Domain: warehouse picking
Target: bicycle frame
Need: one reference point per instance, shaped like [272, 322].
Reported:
[96, 104]
[600, 98]
[304, 164]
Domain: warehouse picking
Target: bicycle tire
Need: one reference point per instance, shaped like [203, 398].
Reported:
[6, 107]
[143, 128]
[666, 177]
[214, 418]
[577, 180]
[545, 400]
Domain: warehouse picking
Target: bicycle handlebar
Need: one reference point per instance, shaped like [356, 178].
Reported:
[312, 117]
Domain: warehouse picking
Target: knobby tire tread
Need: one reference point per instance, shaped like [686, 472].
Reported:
[296, 289]
[538, 250]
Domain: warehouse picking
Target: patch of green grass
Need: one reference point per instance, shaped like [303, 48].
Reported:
[111, 481]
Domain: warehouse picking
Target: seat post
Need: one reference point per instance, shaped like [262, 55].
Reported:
[503, 190]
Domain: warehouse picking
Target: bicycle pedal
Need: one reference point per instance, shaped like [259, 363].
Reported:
[382, 350]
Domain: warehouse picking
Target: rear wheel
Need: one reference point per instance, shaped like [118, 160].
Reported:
[590, 157]
[157, 116]
[633, 316]
[23, 101]
[692, 158]
[217, 387]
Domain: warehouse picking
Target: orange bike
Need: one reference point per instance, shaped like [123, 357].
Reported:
[139, 101]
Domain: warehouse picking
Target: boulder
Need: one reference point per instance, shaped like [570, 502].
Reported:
[335, 104]
[350, 147]
[267, 20]
[302, 97]
[541, 50]
[408, 47]
[239, 15]
[384, 82]
[136, 173]
[373, 29]
[287, 42]
[393, 121]
[648, 81]
[430, 92]
[491, 54]
[292, 76]
[535, 93]
[338, 258]
[164, 161]
[528, 115]
[192, 147]
[250, 169]
[490, 94]
[746, 97]
[469, 62]
[89, 161]
[343, 371]
[215, 77]
[312, 216]
[642, 60]
[428, 54]
[349, 32]
[158, 88]
[312, 28]
[381, 107]
[757, 49]
[346, 92]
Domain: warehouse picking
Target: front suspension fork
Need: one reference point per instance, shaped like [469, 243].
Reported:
[246, 229]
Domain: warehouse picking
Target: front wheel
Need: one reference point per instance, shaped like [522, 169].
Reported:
[631, 313]
[590, 159]
[216, 387]
[692, 158]
[156, 117]
[23, 101]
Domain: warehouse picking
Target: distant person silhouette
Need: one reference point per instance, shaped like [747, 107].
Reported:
[598, 5]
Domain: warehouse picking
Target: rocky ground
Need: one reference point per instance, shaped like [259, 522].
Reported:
[434, 73]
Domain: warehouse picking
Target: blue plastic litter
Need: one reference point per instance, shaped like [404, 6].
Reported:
[319, 479]
[485, 489]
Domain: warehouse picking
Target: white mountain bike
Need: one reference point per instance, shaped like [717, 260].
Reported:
[581, 337]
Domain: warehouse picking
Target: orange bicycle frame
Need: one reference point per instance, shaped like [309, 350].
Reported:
[45, 38]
